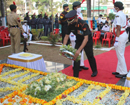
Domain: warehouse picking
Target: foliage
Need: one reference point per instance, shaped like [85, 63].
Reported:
[53, 38]
[45, 38]
[98, 46]
[49, 87]
[35, 33]
[111, 16]
[71, 50]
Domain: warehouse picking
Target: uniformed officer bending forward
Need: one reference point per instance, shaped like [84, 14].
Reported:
[83, 41]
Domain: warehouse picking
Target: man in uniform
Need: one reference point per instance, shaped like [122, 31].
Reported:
[33, 22]
[46, 25]
[27, 18]
[15, 28]
[40, 25]
[120, 24]
[77, 7]
[56, 22]
[63, 22]
[83, 41]
[50, 24]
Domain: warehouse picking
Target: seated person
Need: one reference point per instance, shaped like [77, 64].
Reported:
[99, 27]
[27, 31]
[104, 29]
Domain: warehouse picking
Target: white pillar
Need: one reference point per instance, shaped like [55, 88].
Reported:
[25, 6]
[3, 21]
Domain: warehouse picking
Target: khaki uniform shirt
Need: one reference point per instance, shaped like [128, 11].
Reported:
[14, 20]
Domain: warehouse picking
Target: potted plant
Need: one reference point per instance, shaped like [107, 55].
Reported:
[53, 38]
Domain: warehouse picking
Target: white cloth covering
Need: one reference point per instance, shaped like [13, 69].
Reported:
[37, 64]
[127, 81]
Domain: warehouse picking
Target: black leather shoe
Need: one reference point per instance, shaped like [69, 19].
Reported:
[115, 73]
[83, 67]
[120, 76]
[80, 69]
[94, 74]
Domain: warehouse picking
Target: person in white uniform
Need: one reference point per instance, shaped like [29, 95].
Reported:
[27, 31]
[77, 7]
[99, 19]
[120, 24]
[128, 27]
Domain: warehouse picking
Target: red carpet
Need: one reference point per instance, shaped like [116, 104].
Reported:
[106, 64]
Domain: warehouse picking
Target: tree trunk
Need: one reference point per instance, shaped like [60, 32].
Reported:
[3, 13]
[89, 9]
[89, 12]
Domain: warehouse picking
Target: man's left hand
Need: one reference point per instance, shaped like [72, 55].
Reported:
[76, 54]
[116, 44]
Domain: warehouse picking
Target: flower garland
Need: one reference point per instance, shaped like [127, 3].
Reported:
[34, 100]
[123, 97]
[10, 72]
[86, 91]
[10, 81]
[113, 86]
[1, 67]
[24, 68]
[66, 92]
[9, 88]
[8, 96]
[16, 76]
[28, 77]
[74, 100]
[101, 95]
[15, 99]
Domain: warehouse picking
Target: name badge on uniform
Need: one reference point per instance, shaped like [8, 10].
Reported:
[80, 32]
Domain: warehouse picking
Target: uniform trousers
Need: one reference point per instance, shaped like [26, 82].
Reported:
[15, 40]
[120, 49]
[89, 53]
[129, 33]
[64, 30]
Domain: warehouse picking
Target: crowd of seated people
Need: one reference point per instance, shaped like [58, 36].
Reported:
[103, 25]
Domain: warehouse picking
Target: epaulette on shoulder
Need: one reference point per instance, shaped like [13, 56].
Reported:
[62, 14]
[117, 16]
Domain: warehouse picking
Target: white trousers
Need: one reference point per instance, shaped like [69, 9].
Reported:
[82, 54]
[30, 37]
[120, 49]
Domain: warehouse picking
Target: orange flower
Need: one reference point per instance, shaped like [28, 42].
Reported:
[24, 100]
[10, 100]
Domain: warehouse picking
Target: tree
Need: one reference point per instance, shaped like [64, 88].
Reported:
[104, 1]
[111, 16]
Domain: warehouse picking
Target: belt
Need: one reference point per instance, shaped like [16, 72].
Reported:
[122, 32]
[15, 26]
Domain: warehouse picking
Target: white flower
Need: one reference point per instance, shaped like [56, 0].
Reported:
[58, 80]
[47, 81]
[47, 87]
[62, 79]
[41, 83]
[38, 88]
[36, 85]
